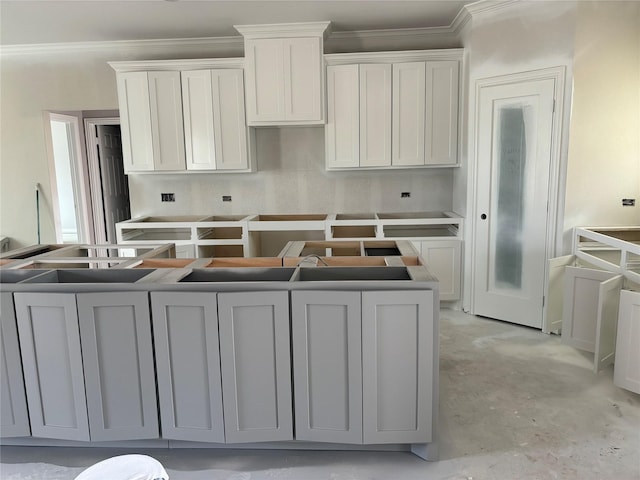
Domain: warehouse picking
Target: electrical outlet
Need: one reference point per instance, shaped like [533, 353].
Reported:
[168, 197]
[628, 202]
[405, 194]
[226, 198]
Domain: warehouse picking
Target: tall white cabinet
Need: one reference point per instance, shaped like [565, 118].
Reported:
[392, 109]
[284, 73]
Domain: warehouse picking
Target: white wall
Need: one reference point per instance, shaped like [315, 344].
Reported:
[604, 145]
[291, 178]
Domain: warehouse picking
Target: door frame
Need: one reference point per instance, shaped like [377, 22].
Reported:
[95, 179]
[557, 169]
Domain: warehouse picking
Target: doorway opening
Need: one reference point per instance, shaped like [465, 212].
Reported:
[89, 190]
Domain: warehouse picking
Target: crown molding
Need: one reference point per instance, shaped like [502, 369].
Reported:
[177, 65]
[393, 56]
[115, 45]
[280, 30]
[488, 6]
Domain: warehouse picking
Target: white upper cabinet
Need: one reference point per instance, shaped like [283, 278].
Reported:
[214, 120]
[151, 121]
[284, 69]
[406, 114]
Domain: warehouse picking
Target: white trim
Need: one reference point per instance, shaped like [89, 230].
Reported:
[177, 65]
[488, 6]
[284, 30]
[118, 45]
[393, 57]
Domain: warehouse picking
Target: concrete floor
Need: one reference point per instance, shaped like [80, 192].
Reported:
[514, 404]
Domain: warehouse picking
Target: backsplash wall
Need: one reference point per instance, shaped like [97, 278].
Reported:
[291, 178]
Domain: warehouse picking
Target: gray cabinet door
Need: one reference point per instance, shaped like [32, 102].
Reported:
[14, 419]
[185, 329]
[397, 366]
[256, 366]
[52, 362]
[327, 365]
[115, 329]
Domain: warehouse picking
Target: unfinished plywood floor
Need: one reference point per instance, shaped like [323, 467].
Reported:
[515, 404]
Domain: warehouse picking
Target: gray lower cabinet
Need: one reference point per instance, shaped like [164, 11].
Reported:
[185, 329]
[14, 419]
[397, 366]
[327, 365]
[52, 363]
[256, 366]
[117, 352]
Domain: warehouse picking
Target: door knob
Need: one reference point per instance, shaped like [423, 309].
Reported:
[483, 216]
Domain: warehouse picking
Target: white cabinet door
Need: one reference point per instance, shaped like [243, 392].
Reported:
[554, 293]
[14, 419]
[284, 81]
[185, 329]
[52, 362]
[442, 112]
[627, 367]
[327, 365]
[151, 121]
[165, 100]
[580, 306]
[443, 260]
[342, 132]
[197, 100]
[303, 89]
[408, 101]
[135, 121]
[229, 119]
[256, 366]
[398, 366]
[214, 120]
[606, 322]
[375, 115]
[119, 373]
[265, 80]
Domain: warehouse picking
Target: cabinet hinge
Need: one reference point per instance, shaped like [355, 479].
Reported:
[553, 108]
[543, 300]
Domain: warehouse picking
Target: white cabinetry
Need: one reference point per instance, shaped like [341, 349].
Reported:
[627, 368]
[151, 121]
[285, 78]
[404, 105]
[214, 120]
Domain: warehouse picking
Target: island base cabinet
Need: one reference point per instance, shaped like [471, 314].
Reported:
[14, 419]
[256, 366]
[327, 365]
[397, 366]
[185, 329]
[52, 362]
[117, 352]
[627, 366]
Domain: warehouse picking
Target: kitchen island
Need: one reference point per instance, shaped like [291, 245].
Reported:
[295, 353]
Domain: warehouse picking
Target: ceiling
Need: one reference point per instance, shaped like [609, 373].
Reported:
[55, 21]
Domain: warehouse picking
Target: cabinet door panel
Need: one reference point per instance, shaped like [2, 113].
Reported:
[397, 366]
[197, 98]
[627, 367]
[229, 119]
[135, 121]
[185, 328]
[442, 113]
[14, 419]
[606, 322]
[115, 328]
[256, 367]
[303, 79]
[554, 293]
[327, 365]
[375, 115]
[52, 362]
[342, 131]
[443, 260]
[165, 99]
[580, 307]
[408, 138]
[265, 80]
